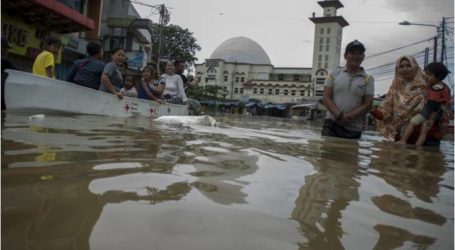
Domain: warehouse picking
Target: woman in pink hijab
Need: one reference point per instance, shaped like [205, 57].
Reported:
[405, 98]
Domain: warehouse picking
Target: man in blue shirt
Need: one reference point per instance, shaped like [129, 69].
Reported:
[87, 72]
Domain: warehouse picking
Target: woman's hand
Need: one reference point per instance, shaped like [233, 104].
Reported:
[119, 95]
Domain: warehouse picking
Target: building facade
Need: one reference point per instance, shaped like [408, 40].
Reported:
[242, 70]
[122, 27]
[114, 23]
[68, 20]
[328, 33]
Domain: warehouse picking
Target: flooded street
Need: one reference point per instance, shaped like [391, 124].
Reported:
[92, 182]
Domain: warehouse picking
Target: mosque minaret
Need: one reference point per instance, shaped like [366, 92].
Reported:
[243, 71]
[328, 33]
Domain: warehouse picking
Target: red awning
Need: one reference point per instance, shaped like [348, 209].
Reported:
[52, 14]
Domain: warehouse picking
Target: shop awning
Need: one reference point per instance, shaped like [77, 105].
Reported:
[51, 14]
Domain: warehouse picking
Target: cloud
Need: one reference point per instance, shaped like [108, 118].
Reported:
[422, 9]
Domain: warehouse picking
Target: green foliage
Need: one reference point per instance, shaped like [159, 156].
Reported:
[208, 92]
[176, 43]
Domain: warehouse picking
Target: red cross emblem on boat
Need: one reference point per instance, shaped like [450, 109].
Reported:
[152, 110]
[127, 107]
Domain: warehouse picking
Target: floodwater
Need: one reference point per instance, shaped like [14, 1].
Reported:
[90, 182]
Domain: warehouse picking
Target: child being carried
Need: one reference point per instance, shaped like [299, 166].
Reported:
[437, 101]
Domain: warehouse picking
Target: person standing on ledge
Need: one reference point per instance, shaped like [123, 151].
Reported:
[348, 95]
[44, 64]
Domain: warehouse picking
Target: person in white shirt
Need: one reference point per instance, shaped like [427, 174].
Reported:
[173, 90]
[128, 87]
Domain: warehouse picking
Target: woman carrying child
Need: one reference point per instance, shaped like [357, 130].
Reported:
[405, 98]
[437, 101]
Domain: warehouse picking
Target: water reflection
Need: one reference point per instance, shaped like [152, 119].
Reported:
[60, 212]
[80, 182]
[416, 175]
[327, 192]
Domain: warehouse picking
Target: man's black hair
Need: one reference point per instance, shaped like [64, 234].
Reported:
[51, 40]
[178, 61]
[439, 70]
[93, 48]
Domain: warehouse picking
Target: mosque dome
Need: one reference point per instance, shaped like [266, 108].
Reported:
[242, 50]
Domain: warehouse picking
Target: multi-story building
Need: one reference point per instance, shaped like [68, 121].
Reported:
[328, 33]
[26, 23]
[243, 70]
[115, 23]
[122, 27]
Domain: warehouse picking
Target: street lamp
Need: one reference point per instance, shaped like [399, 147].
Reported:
[435, 38]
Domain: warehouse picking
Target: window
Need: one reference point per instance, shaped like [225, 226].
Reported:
[242, 79]
[320, 58]
[281, 77]
[327, 40]
[328, 30]
[261, 91]
[241, 90]
[319, 65]
[320, 47]
[321, 40]
[236, 90]
[206, 80]
[326, 65]
[302, 92]
[322, 31]
[225, 88]
[285, 92]
[326, 57]
[296, 78]
[225, 78]
[198, 79]
[293, 92]
[269, 91]
[237, 79]
[277, 91]
[255, 91]
[327, 47]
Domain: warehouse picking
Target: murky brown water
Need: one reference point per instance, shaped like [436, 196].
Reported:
[88, 182]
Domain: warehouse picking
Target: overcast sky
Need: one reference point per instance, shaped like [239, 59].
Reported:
[283, 29]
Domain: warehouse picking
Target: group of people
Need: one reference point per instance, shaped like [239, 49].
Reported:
[114, 78]
[416, 109]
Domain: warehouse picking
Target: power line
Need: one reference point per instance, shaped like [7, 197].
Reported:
[402, 47]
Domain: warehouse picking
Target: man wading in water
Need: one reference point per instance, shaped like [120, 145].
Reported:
[348, 95]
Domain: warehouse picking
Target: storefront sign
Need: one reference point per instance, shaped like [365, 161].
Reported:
[26, 40]
[136, 59]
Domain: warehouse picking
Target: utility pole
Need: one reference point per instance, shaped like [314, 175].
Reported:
[443, 44]
[151, 38]
[164, 19]
[435, 50]
[425, 62]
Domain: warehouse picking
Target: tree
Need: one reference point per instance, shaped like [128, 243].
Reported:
[176, 43]
[209, 92]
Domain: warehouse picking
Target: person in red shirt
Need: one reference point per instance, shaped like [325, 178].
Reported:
[437, 101]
